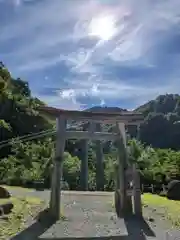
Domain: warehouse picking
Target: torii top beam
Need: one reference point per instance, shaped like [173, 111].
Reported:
[127, 117]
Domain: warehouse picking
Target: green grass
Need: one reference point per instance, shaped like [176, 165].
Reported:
[16, 188]
[171, 208]
[23, 208]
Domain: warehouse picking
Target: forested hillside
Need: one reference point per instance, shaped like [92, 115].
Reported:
[24, 160]
[161, 128]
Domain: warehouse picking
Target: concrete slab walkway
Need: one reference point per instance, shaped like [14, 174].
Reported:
[90, 215]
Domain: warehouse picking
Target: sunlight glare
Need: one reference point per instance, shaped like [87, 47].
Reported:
[103, 27]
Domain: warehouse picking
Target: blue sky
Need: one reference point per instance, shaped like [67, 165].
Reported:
[80, 53]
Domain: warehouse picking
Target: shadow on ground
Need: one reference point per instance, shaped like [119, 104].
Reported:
[42, 223]
[137, 229]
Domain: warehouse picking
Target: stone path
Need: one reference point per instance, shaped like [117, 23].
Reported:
[90, 215]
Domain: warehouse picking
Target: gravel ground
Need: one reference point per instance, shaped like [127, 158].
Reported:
[90, 215]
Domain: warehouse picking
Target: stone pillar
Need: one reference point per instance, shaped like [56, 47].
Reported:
[99, 162]
[137, 192]
[138, 132]
[55, 200]
[84, 163]
[125, 202]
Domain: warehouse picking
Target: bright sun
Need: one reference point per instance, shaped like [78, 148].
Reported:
[103, 27]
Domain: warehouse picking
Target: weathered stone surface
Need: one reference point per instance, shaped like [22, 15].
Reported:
[90, 215]
[4, 193]
[6, 208]
[173, 191]
[65, 185]
[117, 202]
[163, 194]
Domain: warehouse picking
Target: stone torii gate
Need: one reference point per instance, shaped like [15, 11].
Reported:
[127, 200]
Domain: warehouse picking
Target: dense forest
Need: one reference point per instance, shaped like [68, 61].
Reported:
[26, 155]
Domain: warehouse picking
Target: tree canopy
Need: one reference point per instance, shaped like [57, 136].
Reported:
[22, 161]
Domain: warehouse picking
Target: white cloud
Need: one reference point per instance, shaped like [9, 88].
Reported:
[67, 94]
[48, 24]
[102, 103]
[17, 2]
[46, 33]
[108, 90]
[95, 90]
[64, 103]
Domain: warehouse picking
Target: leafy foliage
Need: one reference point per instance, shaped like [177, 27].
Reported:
[156, 151]
[161, 128]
